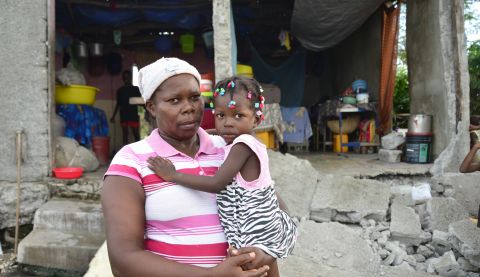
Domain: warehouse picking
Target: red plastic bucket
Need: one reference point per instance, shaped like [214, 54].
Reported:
[101, 148]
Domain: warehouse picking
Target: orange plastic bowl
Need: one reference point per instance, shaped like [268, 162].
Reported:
[68, 172]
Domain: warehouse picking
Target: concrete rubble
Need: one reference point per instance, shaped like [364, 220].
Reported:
[465, 189]
[348, 200]
[442, 212]
[389, 156]
[465, 238]
[405, 226]
[387, 233]
[295, 182]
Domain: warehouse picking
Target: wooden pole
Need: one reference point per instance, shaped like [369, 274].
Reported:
[19, 135]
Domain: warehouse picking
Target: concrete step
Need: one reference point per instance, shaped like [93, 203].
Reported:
[70, 215]
[60, 250]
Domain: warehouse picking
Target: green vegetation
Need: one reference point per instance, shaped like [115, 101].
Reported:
[474, 70]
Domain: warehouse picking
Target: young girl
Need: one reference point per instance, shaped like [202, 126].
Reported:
[246, 199]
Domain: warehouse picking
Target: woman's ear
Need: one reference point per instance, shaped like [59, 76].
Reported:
[150, 108]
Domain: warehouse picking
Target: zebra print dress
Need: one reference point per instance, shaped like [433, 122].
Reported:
[252, 217]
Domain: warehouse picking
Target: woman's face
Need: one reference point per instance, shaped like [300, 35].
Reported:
[177, 107]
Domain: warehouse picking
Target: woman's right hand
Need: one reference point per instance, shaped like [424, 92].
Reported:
[232, 267]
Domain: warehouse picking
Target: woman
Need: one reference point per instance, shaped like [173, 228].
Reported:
[157, 228]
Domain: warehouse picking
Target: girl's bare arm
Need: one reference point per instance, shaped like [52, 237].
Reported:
[235, 161]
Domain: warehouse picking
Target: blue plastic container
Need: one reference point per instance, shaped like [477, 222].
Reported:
[359, 85]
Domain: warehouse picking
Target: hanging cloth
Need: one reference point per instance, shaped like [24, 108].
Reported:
[388, 69]
[289, 76]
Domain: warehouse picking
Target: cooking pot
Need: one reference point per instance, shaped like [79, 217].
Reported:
[96, 49]
[420, 124]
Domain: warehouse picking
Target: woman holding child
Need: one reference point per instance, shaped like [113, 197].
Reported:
[158, 228]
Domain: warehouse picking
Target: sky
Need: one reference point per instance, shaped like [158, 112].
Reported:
[472, 27]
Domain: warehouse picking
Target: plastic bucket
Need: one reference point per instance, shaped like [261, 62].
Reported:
[418, 148]
[187, 42]
[101, 148]
[245, 70]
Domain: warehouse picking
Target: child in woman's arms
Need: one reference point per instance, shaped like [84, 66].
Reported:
[246, 199]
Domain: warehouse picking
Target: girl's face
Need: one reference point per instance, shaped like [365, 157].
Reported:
[232, 122]
[177, 107]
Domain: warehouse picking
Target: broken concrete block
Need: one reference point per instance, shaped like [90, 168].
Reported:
[405, 226]
[466, 265]
[443, 211]
[447, 266]
[425, 251]
[411, 260]
[430, 264]
[390, 156]
[350, 199]
[465, 238]
[402, 194]
[440, 242]
[419, 258]
[332, 245]
[392, 140]
[465, 187]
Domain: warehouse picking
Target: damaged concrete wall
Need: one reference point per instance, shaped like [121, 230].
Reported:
[438, 76]
[24, 82]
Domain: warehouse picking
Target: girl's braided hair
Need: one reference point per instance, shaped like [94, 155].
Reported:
[237, 83]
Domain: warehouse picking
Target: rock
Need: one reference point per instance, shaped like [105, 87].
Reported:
[466, 265]
[447, 266]
[316, 249]
[419, 258]
[405, 226]
[383, 253]
[465, 187]
[346, 199]
[430, 264]
[465, 238]
[444, 211]
[424, 251]
[295, 182]
[392, 141]
[390, 156]
[411, 260]
[440, 242]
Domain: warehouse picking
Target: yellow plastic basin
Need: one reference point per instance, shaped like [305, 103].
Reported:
[245, 70]
[75, 94]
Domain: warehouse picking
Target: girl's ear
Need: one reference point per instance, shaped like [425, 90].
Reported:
[257, 121]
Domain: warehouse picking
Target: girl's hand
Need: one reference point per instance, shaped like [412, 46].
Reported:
[260, 259]
[232, 267]
[162, 167]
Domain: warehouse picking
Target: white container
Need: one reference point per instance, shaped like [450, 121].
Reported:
[421, 193]
[362, 98]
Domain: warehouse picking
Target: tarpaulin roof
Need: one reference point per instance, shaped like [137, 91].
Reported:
[321, 24]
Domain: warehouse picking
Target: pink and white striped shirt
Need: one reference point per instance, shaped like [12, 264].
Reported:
[182, 224]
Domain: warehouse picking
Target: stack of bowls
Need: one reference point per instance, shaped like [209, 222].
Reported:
[360, 88]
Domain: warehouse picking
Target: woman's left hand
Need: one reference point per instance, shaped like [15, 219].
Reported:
[261, 258]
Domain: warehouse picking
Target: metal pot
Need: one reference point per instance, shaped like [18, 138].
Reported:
[420, 123]
[81, 49]
[96, 49]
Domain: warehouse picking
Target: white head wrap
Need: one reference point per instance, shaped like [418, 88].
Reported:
[153, 75]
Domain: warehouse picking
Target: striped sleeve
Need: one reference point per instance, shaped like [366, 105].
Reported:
[125, 163]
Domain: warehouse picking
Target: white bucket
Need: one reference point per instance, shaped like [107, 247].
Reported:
[362, 98]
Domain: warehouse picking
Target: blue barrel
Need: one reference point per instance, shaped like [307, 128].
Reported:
[418, 148]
